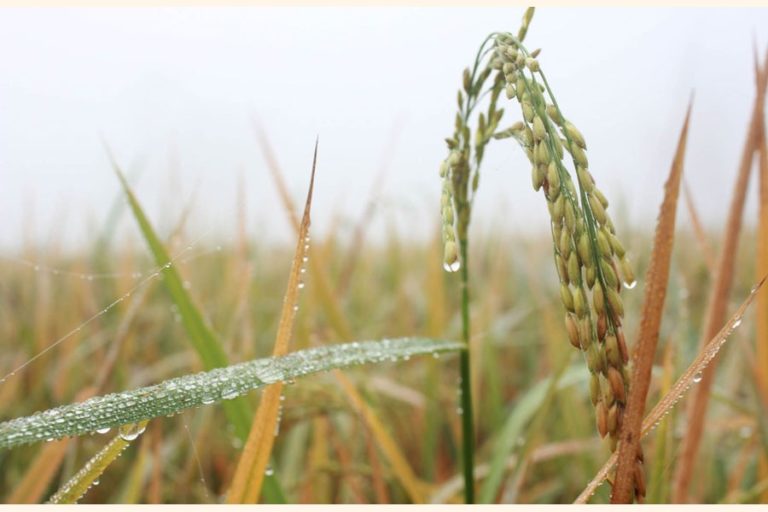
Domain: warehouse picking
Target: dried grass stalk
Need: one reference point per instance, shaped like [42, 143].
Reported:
[629, 479]
[718, 301]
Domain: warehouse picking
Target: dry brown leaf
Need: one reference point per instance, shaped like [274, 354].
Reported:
[762, 263]
[656, 279]
[690, 376]
[761, 337]
[718, 302]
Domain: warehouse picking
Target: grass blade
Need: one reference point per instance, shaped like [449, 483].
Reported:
[200, 334]
[321, 286]
[658, 482]
[40, 473]
[761, 337]
[691, 375]
[249, 475]
[656, 279]
[512, 430]
[175, 395]
[762, 261]
[329, 301]
[718, 300]
[79, 484]
[698, 229]
[386, 444]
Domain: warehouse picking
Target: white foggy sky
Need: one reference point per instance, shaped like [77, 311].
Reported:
[184, 84]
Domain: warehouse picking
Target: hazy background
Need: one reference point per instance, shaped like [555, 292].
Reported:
[175, 91]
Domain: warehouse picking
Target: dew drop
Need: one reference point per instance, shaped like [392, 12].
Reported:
[229, 393]
[459, 411]
[630, 285]
[96, 482]
[697, 378]
[452, 267]
[208, 400]
[103, 430]
[131, 432]
[269, 471]
[295, 307]
[737, 323]
[301, 285]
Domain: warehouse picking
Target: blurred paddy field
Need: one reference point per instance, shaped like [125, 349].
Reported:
[358, 290]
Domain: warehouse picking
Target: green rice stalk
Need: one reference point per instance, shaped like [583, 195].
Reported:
[88, 476]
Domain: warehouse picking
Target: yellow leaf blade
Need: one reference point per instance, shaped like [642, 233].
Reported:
[249, 475]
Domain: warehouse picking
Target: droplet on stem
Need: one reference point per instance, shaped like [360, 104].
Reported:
[452, 267]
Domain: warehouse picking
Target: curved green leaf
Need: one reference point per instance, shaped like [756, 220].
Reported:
[204, 388]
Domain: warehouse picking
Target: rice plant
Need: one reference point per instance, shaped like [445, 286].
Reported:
[177, 371]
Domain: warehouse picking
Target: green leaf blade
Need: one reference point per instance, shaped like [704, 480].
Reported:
[220, 384]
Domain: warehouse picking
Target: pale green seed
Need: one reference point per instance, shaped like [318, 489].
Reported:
[616, 244]
[579, 303]
[574, 135]
[579, 156]
[608, 274]
[553, 178]
[598, 299]
[566, 297]
[617, 306]
[597, 210]
[602, 244]
[627, 273]
[574, 269]
[537, 177]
